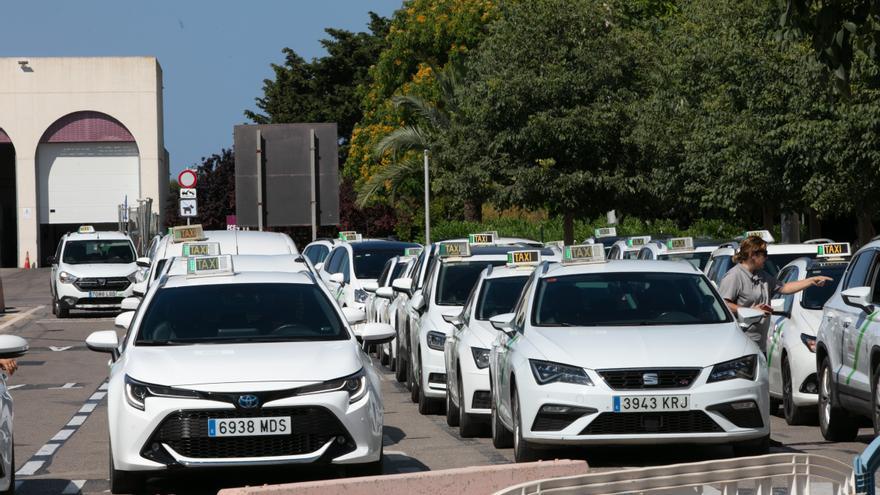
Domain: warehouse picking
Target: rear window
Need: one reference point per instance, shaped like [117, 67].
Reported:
[698, 260]
[368, 263]
[815, 297]
[498, 296]
[98, 251]
[456, 280]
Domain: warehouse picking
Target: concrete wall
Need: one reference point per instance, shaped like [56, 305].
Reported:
[128, 89]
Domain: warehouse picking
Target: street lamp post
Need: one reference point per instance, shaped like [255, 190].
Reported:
[427, 203]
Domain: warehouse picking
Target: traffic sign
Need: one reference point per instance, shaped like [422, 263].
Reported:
[188, 208]
[187, 178]
[187, 193]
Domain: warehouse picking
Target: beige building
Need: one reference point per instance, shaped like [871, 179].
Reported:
[78, 137]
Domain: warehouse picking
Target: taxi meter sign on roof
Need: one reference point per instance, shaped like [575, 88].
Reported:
[451, 249]
[605, 232]
[187, 233]
[638, 241]
[347, 234]
[680, 244]
[86, 229]
[203, 266]
[414, 251]
[524, 258]
[584, 253]
[483, 238]
[834, 249]
[765, 235]
[201, 249]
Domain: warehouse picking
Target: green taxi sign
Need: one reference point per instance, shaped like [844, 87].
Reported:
[584, 253]
[527, 257]
[605, 232]
[201, 248]
[205, 266]
[680, 244]
[454, 249]
[833, 250]
[639, 241]
[413, 251]
[483, 238]
[184, 233]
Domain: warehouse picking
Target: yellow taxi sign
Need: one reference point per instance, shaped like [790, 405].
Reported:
[765, 235]
[184, 233]
[833, 250]
[523, 258]
[483, 238]
[413, 251]
[639, 241]
[680, 244]
[86, 229]
[605, 232]
[205, 266]
[584, 253]
[201, 248]
[454, 249]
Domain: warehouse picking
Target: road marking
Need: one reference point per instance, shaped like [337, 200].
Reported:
[104, 386]
[98, 395]
[47, 450]
[13, 387]
[88, 407]
[77, 420]
[65, 386]
[74, 487]
[59, 348]
[29, 468]
[20, 317]
[63, 435]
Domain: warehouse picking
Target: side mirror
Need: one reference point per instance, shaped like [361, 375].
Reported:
[338, 278]
[454, 320]
[417, 302]
[858, 297]
[370, 286]
[319, 266]
[778, 307]
[502, 321]
[376, 333]
[12, 346]
[130, 304]
[385, 292]
[103, 341]
[139, 289]
[123, 321]
[143, 262]
[748, 316]
[354, 316]
[402, 285]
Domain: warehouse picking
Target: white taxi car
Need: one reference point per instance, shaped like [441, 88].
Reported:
[92, 271]
[204, 376]
[778, 255]
[791, 342]
[11, 346]
[467, 347]
[317, 250]
[628, 249]
[618, 352]
[679, 248]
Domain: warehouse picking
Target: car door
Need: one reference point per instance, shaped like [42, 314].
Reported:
[774, 336]
[55, 263]
[507, 343]
[853, 323]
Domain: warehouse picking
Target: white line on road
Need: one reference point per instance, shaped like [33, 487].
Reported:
[89, 407]
[29, 468]
[98, 395]
[20, 317]
[66, 385]
[59, 348]
[104, 386]
[47, 449]
[13, 387]
[77, 420]
[63, 435]
[74, 487]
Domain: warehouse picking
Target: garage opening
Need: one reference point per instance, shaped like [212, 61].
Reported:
[87, 165]
[8, 220]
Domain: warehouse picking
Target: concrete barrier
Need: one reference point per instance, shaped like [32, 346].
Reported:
[478, 480]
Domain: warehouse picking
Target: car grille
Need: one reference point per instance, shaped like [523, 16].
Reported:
[102, 283]
[187, 433]
[651, 422]
[633, 379]
[99, 300]
[482, 400]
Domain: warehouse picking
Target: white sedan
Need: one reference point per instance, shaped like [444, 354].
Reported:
[625, 353]
[240, 361]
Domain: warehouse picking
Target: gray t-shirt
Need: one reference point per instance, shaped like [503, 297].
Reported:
[744, 288]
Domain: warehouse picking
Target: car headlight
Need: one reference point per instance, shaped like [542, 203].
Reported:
[136, 392]
[66, 278]
[133, 276]
[743, 367]
[809, 341]
[355, 385]
[436, 340]
[481, 357]
[361, 295]
[548, 372]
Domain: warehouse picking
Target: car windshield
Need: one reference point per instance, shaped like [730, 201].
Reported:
[399, 268]
[776, 262]
[98, 251]
[631, 255]
[368, 263]
[252, 312]
[455, 280]
[698, 260]
[815, 297]
[499, 295]
[626, 299]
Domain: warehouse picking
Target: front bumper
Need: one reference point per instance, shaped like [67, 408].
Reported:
[592, 420]
[70, 297]
[804, 384]
[433, 369]
[474, 384]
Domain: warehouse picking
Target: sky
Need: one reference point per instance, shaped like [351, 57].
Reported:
[214, 54]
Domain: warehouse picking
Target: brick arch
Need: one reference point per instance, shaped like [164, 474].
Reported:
[87, 127]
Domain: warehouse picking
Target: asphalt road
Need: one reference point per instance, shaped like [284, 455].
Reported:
[61, 417]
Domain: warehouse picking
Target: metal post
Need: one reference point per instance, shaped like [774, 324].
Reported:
[314, 180]
[259, 180]
[427, 203]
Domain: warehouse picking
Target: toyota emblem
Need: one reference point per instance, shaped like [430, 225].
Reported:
[248, 401]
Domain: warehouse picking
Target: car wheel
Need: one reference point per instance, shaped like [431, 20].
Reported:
[426, 404]
[383, 357]
[413, 382]
[835, 423]
[11, 489]
[752, 447]
[400, 368]
[794, 415]
[774, 406]
[501, 436]
[54, 307]
[451, 410]
[59, 311]
[392, 361]
[522, 451]
[468, 427]
[124, 481]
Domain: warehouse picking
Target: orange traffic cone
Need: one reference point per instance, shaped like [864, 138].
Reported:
[27, 260]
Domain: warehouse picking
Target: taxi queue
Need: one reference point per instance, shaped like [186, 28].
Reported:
[537, 345]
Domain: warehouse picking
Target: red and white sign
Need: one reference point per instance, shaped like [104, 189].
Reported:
[187, 179]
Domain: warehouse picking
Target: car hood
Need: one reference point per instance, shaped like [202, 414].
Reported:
[194, 365]
[482, 332]
[101, 270]
[641, 347]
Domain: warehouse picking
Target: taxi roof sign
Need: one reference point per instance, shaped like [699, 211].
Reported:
[86, 229]
[209, 266]
[526, 257]
[680, 244]
[765, 235]
[584, 253]
[555, 244]
[638, 241]
[484, 238]
[184, 233]
[454, 249]
[605, 232]
[413, 251]
[348, 235]
[201, 249]
[833, 250]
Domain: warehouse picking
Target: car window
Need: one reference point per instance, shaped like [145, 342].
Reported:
[455, 280]
[776, 262]
[369, 262]
[417, 270]
[58, 251]
[344, 267]
[859, 268]
[249, 313]
[815, 297]
[645, 254]
[335, 260]
[498, 296]
[720, 267]
[697, 260]
[317, 253]
[627, 299]
[614, 253]
[98, 252]
[631, 255]
[787, 275]
[383, 276]
[398, 271]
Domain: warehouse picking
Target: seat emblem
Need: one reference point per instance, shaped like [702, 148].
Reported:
[650, 379]
[248, 401]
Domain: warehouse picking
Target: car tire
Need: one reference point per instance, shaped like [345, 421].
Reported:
[413, 382]
[392, 361]
[794, 415]
[427, 405]
[522, 451]
[400, 368]
[751, 448]
[502, 438]
[775, 404]
[59, 311]
[468, 426]
[124, 481]
[835, 423]
[11, 489]
[374, 468]
[452, 411]
[383, 358]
